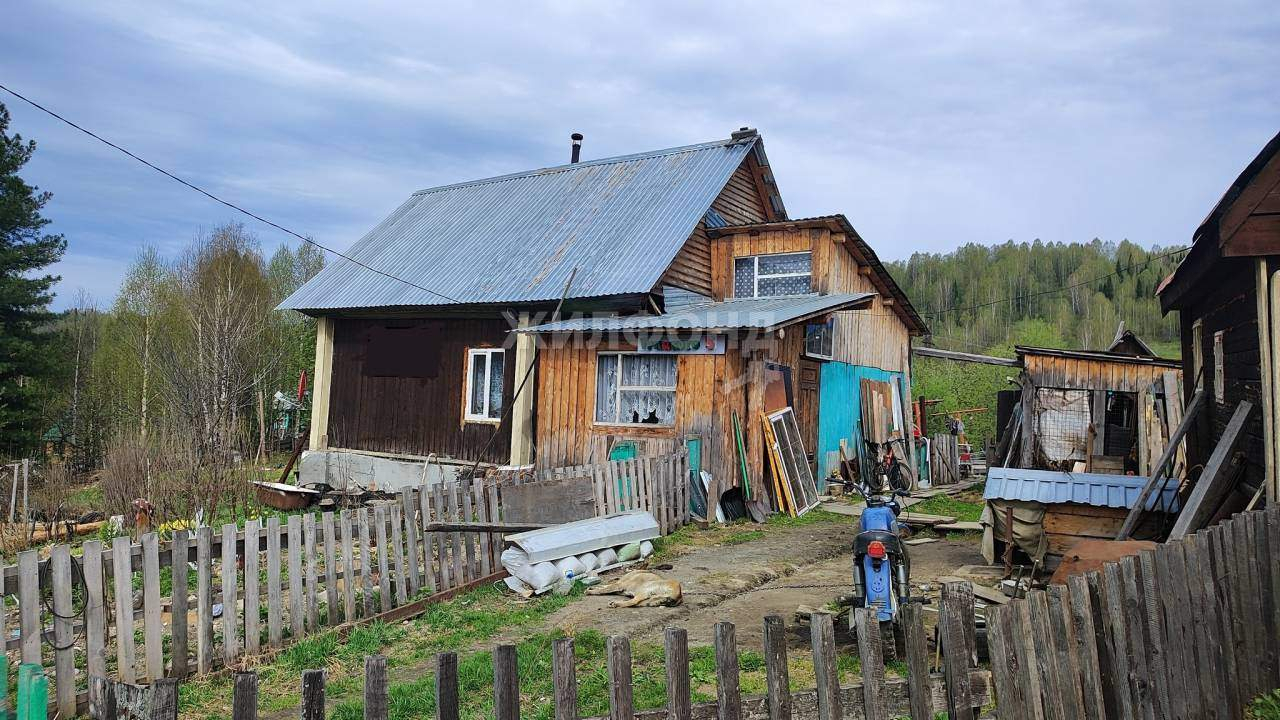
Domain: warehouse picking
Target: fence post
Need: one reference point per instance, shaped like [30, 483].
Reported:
[564, 679]
[918, 686]
[676, 647]
[618, 651]
[777, 677]
[447, 686]
[313, 695]
[506, 683]
[244, 701]
[871, 654]
[957, 611]
[102, 698]
[375, 687]
[728, 696]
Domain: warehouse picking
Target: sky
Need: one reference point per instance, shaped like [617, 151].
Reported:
[930, 125]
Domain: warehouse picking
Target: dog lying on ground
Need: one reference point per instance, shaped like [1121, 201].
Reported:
[644, 588]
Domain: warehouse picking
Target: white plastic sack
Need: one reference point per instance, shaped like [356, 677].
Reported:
[646, 549]
[606, 557]
[589, 561]
[540, 577]
[570, 567]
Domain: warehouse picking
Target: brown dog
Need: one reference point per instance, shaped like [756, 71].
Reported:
[644, 588]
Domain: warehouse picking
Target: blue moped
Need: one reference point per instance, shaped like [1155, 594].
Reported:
[881, 566]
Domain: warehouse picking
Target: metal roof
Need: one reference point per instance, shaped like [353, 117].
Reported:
[1099, 355]
[1096, 489]
[767, 312]
[515, 238]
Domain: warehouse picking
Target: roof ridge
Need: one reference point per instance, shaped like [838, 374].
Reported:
[588, 163]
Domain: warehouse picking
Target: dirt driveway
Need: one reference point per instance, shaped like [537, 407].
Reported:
[741, 574]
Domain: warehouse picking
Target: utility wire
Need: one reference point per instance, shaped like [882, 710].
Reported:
[217, 199]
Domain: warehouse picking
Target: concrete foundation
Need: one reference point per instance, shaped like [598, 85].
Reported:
[347, 469]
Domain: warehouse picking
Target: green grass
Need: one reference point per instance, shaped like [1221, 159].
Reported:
[961, 510]
[1265, 707]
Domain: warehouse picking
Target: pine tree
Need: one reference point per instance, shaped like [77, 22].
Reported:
[27, 343]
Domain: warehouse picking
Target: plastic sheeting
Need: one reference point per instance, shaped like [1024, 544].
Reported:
[1028, 528]
[1062, 424]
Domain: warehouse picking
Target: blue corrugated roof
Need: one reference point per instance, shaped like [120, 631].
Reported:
[1097, 489]
[516, 238]
[767, 312]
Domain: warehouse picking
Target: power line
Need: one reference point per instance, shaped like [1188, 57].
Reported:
[1011, 298]
[217, 199]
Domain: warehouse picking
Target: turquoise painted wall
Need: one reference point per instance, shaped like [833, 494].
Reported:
[840, 412]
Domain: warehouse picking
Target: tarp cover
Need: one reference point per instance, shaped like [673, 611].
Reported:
[1028, 528]
[1062, 424]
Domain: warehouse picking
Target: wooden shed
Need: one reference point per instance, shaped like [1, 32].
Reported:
[1226, 292]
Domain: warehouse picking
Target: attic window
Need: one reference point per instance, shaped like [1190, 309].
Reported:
[772, 275]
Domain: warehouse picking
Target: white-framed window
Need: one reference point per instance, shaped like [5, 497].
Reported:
[772, 275]
[484, 384]
[636, 389]
[819, 339]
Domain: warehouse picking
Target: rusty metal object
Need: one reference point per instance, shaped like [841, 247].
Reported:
[284, 497]
[1088, 555]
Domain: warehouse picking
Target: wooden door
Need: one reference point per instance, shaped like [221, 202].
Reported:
[807, 395]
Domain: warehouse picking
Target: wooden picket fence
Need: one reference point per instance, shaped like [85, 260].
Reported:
[319, 572]
[1190, 629]
[658, 484]
[959, 688]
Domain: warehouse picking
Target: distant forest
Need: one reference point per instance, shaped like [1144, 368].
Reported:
[988, 298]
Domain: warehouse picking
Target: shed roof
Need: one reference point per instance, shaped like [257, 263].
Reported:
[1096, 355]
[764, 313]
[1096, 489]
[516, 238]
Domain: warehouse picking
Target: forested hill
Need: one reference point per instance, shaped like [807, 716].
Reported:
[1112, 282]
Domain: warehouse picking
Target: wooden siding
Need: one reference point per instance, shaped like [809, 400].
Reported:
[414, 415]
[1058, 372]
[1228, 304]
[874, 337]
[706, 395]
[739, 203]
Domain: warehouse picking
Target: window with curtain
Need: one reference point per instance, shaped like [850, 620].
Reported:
[772, 275]
[635, 389]
[484, 384]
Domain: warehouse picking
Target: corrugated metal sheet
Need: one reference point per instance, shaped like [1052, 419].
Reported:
[736, 313]
[582, 536]
[1099, 490]
[515, 238]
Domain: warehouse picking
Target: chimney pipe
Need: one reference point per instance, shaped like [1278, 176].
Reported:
[576, 138]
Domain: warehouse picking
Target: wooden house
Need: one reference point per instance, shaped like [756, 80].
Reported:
[788, 313]
[1226, 292]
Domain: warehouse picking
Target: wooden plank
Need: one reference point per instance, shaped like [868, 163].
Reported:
[506, 683]
[64, 650]
[348, 567]
[230, 604]
[408, 509]
[728, 695]
[618, 665]
[871, 653]
[777, 676]
[384, 574]
[366, 562]
[1247, 591]
[297, 617]
[447, 686]
[275, 593]
[441, 539]
[1062, 632]
[428, 544]
[1084, 640]
[1046, 663]
[1262, 571]
[95, 617]
[375, 687]
[1112, 601]
[1272, 521]
[152, 626]
[244, 698]
[397, 556]
[497, 540]
[1228, 630]
[1153, 615]
[455, 540]
[252, 588]
[122, 574]
[1028, 676]
[1162, 468]
[330, 531]
[204, 602]
[956, 612]
[1188, 684]
[1212, 487]
[564, 679]
[313, 694]
[310, 586]
[1004, 662]
[481, 511]
[917, 646]
[29, 603]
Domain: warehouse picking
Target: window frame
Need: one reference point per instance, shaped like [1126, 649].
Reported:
[755, 272]
[830, 326]
[472, 354]
[617, 390]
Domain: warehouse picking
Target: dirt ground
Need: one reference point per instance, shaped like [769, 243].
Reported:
[743, 582]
